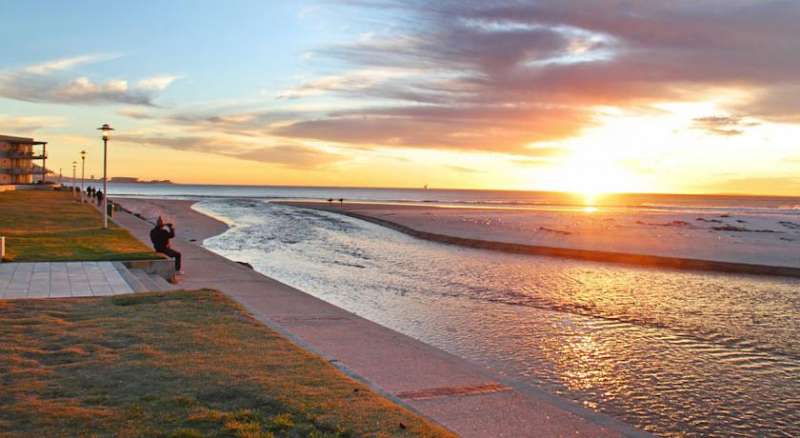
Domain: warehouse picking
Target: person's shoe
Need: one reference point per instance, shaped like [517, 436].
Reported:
[180, 273]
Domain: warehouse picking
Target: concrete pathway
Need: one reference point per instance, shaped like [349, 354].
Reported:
[60, 279]
[463, 397]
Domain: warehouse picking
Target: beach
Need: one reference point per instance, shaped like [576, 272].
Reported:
[724, 237]
[460, 395]
[474, 218]
[588, 331]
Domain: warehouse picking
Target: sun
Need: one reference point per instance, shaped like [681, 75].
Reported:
[591, 177]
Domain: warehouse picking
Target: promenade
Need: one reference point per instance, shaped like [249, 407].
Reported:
[60, 280]
[461, 396]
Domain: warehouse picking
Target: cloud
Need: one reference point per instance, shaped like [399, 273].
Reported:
[476, 128]
[136, 113]
[421, 126]
[47, 83]
[290, 156]
[502, 76]
[156, 83]
[57, 65]
[777, 103]
[295, 156]
[463, 169]
[28, 124]
[247, 123]
[548, 64]
[353, 81]
[532, 162]
[723, 125]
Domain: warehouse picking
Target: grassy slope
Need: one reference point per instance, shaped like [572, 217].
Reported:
[173, 364]
[49, 225]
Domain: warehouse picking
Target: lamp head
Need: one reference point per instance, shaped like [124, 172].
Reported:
[83, 154]
[106, 128]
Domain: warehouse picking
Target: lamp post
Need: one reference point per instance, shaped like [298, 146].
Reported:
[74, 163]
[106, 135]
[83, 169]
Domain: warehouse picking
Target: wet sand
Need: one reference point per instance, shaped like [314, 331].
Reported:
[194, 226]
[743, 243]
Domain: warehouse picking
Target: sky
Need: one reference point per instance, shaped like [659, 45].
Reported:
[686, 96]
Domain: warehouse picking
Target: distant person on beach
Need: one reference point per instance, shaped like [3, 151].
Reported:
[99, 196]
[160, 236]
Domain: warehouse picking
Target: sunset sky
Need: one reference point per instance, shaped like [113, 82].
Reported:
[591, 96]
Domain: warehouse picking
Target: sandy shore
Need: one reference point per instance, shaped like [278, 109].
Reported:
[464, 397]
[194, 226]
[744, 243]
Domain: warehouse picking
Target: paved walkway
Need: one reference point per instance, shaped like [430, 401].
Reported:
[463, 397]
[60, 279]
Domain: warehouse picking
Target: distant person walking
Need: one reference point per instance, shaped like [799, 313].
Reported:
[160, 236]
[99, 196]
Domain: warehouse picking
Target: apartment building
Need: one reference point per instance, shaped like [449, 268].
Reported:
[17, 156]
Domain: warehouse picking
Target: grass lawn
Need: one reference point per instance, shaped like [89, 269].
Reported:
[51, 226]
[176, 364]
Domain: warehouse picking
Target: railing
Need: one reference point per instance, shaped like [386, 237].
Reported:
[19, 171]
[28, 155]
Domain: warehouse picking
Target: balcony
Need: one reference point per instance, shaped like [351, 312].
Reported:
[19, 171]
[22, 155]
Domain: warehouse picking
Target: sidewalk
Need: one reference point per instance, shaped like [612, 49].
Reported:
[60, 279]
[453, 392]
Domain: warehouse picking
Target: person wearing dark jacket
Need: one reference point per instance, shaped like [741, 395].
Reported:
[160, 236]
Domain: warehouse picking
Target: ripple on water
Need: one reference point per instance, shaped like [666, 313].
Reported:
[674, 353]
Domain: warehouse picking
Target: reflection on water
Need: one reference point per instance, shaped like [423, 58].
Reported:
[675, 353]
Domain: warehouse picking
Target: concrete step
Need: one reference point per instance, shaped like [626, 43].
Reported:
[151, 282]
[130, 278]
[162, 283]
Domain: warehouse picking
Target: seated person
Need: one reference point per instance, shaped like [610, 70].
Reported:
[160, 236]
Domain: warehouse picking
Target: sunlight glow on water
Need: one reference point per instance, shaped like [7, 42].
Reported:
[674, 353]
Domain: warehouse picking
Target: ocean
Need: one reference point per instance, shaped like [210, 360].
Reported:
[676, 353]
[488, 198]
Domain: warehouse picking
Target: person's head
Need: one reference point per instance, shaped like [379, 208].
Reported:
[160, 222]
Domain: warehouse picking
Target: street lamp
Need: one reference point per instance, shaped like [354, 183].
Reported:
[83, 169]
[74, 163]
[106, 135]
